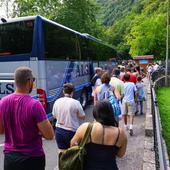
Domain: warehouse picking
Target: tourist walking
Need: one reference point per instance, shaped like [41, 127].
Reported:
[106, 141]
[96, 79]
[141, 94]
[68, 112]
[24, 122]
[129, 99]
[100, 90]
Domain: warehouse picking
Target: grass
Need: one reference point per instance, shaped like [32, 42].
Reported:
[163, 97]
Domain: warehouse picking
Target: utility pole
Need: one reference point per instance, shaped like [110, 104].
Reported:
[167, 45]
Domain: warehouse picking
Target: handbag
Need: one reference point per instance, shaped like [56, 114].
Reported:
[73, 158]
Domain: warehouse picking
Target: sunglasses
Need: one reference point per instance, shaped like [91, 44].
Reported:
[33, 79]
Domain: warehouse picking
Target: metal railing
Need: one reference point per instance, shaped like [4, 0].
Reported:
[158, 79]
[161, 163]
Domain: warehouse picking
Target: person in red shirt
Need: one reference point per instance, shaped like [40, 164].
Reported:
[132, 76]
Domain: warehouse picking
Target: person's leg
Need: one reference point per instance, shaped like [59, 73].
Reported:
[141, 107]
[17, 161]
[124, 108]
[131, 117]
[35, 163]
[63, 138]
[9, 162]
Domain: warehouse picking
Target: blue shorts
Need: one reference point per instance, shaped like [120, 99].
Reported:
[63, 137]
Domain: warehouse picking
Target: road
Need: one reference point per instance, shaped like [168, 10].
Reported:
[132, 160]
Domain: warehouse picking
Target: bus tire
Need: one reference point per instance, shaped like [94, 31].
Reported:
[84, 99]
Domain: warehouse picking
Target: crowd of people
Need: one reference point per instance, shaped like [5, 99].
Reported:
[24, 121]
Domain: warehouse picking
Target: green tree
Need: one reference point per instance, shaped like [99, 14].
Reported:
[46, 8]
[148, 37]
[80, 15]
[140, 30]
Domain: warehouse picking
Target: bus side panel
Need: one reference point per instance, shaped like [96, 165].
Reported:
[81, 79]
[41, 78]
[60, 72]
[10, 66]
[56, 74]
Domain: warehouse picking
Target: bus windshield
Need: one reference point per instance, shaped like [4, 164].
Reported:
[16, 37]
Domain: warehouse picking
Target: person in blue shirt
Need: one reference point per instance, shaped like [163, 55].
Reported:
[141, 95]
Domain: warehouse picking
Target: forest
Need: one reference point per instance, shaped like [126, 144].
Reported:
[132, 27]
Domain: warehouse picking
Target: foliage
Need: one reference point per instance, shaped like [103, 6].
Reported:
[163, 94]
[46, 8]
[136, 27]
[148, 37]
[79, 15]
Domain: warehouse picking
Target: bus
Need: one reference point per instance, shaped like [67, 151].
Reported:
[55, 53]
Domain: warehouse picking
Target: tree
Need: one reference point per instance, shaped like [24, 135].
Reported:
[79, 15]
[46, 8]
[148, 37]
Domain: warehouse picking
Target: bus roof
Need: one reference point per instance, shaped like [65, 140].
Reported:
[83, 35]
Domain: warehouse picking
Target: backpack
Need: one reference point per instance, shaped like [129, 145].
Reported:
[73, 158]
[107, 94]
[93, 80]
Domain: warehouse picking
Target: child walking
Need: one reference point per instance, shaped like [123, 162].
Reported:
[141, 95]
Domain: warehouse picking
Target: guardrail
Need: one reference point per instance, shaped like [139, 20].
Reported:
[158, 79]
[161, 163]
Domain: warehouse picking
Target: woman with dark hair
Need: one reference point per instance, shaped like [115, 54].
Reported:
[106, 141]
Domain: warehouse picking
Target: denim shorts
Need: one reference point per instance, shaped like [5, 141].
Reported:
[63, 137]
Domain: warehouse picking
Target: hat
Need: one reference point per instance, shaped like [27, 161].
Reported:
[97, 68]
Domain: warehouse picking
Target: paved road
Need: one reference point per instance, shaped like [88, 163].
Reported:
[131, 161]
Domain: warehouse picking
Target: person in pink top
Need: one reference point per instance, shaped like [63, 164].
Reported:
[24, 122]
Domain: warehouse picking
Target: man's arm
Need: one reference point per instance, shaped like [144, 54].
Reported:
[46, 129]
[54, 110]
[80, 111]
[1, 127]
[1, 122]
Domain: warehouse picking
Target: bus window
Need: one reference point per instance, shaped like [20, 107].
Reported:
[16, 37]
[59, 43]
[84, 47]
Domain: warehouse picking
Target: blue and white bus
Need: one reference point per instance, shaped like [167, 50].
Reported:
[55, 53]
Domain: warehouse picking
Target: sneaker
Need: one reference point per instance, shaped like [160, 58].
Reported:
[131, 132]
[136, 113]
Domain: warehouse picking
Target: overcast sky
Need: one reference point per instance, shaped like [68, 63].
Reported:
[3, 8]
[2, 12]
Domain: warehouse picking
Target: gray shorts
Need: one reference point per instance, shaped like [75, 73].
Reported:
[128, 108]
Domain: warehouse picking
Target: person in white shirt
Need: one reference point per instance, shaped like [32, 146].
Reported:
[129, 99]
[68, 113]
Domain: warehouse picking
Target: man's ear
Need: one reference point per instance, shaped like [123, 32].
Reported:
[72, 93]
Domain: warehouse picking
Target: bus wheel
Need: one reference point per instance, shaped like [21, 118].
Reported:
[83, 99]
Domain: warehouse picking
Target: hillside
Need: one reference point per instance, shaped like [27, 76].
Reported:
[115, 9]
[135, 27]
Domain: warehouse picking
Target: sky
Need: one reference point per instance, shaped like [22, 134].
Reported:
[2, 12]
[3, 8]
